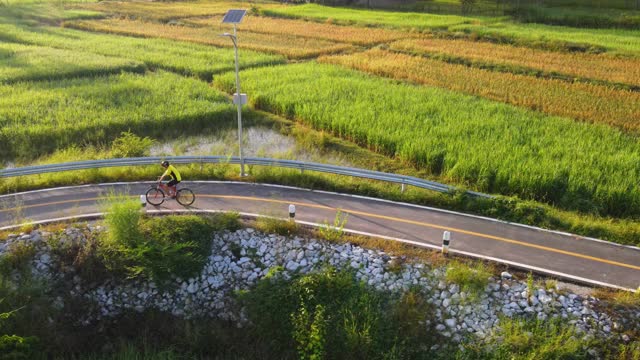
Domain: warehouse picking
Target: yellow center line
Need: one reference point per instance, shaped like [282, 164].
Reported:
[391, 218]
[356, 212]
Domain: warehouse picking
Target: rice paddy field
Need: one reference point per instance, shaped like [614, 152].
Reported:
[532, 110]
[496, 147]
[588, 102]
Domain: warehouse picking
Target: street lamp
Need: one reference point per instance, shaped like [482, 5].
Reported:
[235, 17]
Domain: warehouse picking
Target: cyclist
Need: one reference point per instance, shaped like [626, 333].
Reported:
[173, 173]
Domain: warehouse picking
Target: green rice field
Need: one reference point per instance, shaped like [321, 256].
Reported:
[181, 57]
[75, 74]
[24, 62]
[488, 145]
[39, 117]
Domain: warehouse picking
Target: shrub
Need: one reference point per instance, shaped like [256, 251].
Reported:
[14, 347]
[471, 279]
[17, 258]
[331, 315]
[130, 145]
[272, 225]
[122, 215]
[532, 339]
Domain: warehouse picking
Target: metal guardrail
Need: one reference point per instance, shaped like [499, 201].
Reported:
[293, 164]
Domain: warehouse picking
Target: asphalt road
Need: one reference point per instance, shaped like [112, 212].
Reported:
[564, 255]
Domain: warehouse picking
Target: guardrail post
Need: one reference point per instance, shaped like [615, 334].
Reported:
[402, 188]
[143, 200]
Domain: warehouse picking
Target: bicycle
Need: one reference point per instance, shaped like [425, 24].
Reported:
[156, 195]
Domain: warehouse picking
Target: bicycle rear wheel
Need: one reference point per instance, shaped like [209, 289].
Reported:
[185, 197]
[155, 196]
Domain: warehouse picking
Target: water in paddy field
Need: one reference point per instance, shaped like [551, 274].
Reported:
[257, 142]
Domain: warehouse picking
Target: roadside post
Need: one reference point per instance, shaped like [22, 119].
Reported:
[446, 239]
[292, 212]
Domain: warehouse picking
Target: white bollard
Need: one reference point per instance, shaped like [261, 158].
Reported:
[143, 200]
[292, 212]
[446, 239]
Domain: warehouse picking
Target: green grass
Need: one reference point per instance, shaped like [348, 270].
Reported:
[580, 17]
[38, 118]
[471, 279]
[407, 20]
[626, 42]
[490, 146]
[24, 63]
[520, 339]
[181, 57]
[37, 13]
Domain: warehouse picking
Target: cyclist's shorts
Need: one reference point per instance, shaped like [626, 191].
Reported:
[173, 182]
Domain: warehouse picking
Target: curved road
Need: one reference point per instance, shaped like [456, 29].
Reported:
[563, 255]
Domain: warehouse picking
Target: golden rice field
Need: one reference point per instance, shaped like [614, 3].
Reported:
[290, 46]
[587, 102]
[346, 34]
[164, 11]
[587, 66]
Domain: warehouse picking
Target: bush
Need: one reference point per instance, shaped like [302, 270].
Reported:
[166, 246]
[471, 279]
[271, 225]
[532, 339]
[130, 145]
[331, 315]
[14, 347]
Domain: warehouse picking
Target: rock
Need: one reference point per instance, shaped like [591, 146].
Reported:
[451, 323]
[292, 266]
[506, 275]
[446, 303]
[192, 288]
[440, 327]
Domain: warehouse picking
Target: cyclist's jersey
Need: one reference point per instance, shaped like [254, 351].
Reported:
[173, 172]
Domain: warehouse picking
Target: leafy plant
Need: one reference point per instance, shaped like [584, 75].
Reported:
[271, 225]
[129, 144]
[334, 232]
[472, 279]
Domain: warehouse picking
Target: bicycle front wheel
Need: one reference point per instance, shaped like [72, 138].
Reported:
[185, 197]
[155, 196]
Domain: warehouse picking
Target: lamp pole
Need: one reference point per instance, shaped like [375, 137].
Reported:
[235, 17]
[238, 100]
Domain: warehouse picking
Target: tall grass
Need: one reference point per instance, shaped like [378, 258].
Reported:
[490, 146]
[524, 60]
[285, 44]
[520, 339]
[24, 63]
[181, 57]
[617, 41]
[165, 11]
[42, 12]
[582, 101]
[405, 20]
[278, 26]
[38, 118]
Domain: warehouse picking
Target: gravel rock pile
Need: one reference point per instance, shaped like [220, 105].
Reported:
[239, 259]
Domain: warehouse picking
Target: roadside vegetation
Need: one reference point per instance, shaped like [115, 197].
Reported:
[326, 314]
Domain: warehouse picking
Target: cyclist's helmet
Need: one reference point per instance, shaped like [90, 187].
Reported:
[165, 163]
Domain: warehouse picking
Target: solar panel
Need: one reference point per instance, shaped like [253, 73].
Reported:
[233, 16]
